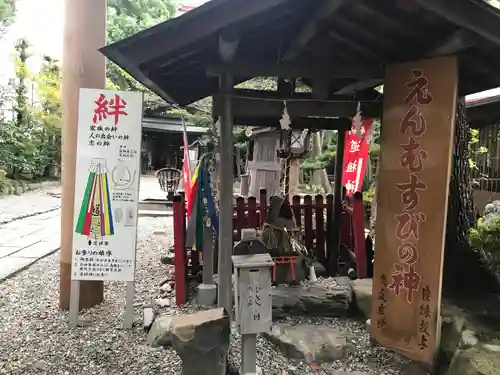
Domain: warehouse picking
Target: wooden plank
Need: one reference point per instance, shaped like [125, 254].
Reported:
[310, 28]
[412, 212]
[264, 166]
[286, 95]
[254, 308]
[258, 68]
[482, 19]
[297, 123]
[191, 27]
[249, 107]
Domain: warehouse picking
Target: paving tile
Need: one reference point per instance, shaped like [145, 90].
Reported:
[8, 250]
[38, 250]
[14, 237]
[48, 215]
[10, 265]
[25, 241]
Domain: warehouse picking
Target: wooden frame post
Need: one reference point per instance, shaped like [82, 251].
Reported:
[225, 281]
[82, 66]
[333, 252]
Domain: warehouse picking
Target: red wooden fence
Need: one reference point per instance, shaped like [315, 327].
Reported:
[313, 214]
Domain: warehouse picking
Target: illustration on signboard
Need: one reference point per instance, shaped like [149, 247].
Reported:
[123, 177]
[96, 219]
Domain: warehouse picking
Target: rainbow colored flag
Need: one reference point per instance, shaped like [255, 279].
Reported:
[200, 190]
[96, 217]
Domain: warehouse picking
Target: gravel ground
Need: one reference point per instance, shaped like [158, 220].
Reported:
[367, 359]
[34, 334]
[35, 339]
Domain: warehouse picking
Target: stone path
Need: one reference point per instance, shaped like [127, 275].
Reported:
[24, 241]
[30, 225]
[19, 206]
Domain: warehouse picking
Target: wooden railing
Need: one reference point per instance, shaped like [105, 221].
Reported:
[313, 214]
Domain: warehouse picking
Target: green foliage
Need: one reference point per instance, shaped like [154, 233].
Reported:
[7, 13]
[329, 152]
[485, 238]
[475, 149]
[260, 83]
[311, 189]
[326, 159]
[368, 197]
[128, 17]
[30, 142]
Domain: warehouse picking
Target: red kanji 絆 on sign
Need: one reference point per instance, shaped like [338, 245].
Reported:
[114, 107]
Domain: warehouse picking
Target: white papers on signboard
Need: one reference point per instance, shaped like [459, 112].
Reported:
[107, 185]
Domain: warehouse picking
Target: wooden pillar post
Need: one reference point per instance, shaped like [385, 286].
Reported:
[82, 66]
[225, 287]
[337, 204]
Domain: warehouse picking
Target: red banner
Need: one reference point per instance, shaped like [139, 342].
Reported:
[355, 157]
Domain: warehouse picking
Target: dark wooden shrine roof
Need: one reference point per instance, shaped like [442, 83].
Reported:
[172, 58]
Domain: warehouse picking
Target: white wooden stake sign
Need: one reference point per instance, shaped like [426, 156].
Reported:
[252, 304]
[106, 192]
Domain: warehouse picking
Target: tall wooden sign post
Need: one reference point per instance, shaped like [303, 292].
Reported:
[417, 139]
[106, 192]
[82, 66]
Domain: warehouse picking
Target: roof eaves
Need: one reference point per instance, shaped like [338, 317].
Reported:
[119, 59]
[482, 101]
[168, 24]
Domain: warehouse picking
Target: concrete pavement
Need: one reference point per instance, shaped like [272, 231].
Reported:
[24, 241]
[15, 207]
[30, 225]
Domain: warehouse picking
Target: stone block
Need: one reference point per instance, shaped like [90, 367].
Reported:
[148, 317]
[331, 300]
[310, 342]
[475, 361]
[202, 341]
[362, 290]
[160, 333]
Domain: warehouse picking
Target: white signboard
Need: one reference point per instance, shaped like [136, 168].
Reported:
[107, 185]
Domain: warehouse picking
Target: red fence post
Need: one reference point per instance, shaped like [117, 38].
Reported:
[297, 210]
[308, 223]
[241, 218]
[262, 206]
[358, 221]
[253, 215]
[179, 211]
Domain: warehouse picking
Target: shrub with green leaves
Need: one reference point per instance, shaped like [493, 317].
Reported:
[485, 238]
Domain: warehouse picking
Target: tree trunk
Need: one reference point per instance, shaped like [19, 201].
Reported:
[462, 266]
[320, 177]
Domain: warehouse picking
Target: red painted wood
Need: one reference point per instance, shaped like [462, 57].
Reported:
[297, 210]
[241, 217]
[263, 203]
[358, 229]
[179, 219]
[308, 223]
[253, 217]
